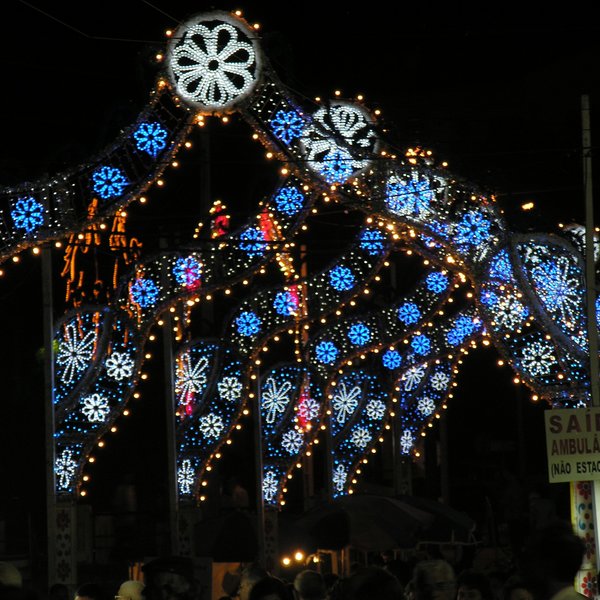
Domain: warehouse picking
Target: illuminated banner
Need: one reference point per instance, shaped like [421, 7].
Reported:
[573, 444]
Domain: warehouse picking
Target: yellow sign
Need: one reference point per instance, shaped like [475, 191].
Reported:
[573, 444]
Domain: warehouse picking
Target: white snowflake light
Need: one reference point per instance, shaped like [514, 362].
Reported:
[74, 352]
[340, 475]
[509, 312]
[95, 408]
[425, 406]
[213, 61]
[275, 398]
[229, 388]
[413, 376]
[185, 477]
[375, 410]
[64, 469]
[119, 366]
[269, 486]
[190, 379]
[439, 381]
[292, 441]
[345, 401]
[538, 358]
[211, 425]
[407, 440]
[361, 437]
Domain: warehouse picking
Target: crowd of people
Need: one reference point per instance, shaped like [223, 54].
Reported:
[544, 570]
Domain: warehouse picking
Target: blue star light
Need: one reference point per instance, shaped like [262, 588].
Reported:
[187, 271]
[337, 167]
[371, 240]
[326, 352]
[473, 229]
[413, 197]
[391, 359]
[359, 334]
[409, 313]
[287, 125]
[437, 282]
[150, 138]
[27, 214]
[285, 304]
[109, 182]
[421, 344]
[289, 200]
[248, 324]
[252, 242]
[144, 292]
[341, 278]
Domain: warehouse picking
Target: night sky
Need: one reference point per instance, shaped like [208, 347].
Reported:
[494, 90]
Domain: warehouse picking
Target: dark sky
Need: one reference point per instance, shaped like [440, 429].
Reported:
[494, 90]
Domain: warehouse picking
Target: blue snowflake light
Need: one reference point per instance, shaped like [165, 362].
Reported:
[371, 240]
[500, 267]
[285, 304]
[437, 282]
[421, 344]
[287, 125]
[252, 242]
[337, 167]
[359, 334]
[409, 313]
[341, 278]
[150, 138]
[326, 352]
[248, 324]
[27, 214]
[109, 182]
[144, 292]
[391, 359]
[411, 197]
[187, 271]
[473, 229]
[289, 200]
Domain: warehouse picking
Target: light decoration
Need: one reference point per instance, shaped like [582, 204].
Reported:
[150, 138]
[288, 125]
[109, 182]
[144, 292]
[188, 271]
[76, 348]
[119, 366]
[275, 398]
[252, 242]
[326, 352]
[359, 405]
[190, 379]
[248, 324]
[213, 61]
[289, 200]
[409, 196]
[372, 240]
[229, 389]
[341, 278]
[95, 408]
[391, 359]
[286, 303]
[409, 313]
[437, 282]
[27, 214]
[186, 476]
[339, 142]
[65, 467]
[359, 334]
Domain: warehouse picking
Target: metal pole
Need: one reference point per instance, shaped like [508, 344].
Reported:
[590, 279]
[260, 504]
[48, 318]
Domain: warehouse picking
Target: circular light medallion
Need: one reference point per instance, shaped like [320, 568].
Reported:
[213, 61]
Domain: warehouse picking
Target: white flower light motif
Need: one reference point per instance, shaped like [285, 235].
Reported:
[308, 409]
[439, 381]
[64, 469]
[95, 408]
[190, 379]
[74, 352]
[269, 486]
[340, 475]
[413, 377]
[185, 477]
[292, 441]
[361, 437]
[345, 401]
[375, 409]
[275, 399]
[211, 425]
[425, 406]
[538, 358]
[119, 365]
[213, 62]
[407, 441]
[509, 313]
[229, 388]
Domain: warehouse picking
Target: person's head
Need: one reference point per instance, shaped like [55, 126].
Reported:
[434, 580]
[473, 585]
[309, 585]
[251, 574]
[130, 590]
[170, 578]
[10, 576]
[372, 582]
[270, 588]
[90, 591]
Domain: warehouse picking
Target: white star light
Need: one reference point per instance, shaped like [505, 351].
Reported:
[308, 409]
[190, 379]
[425, 406]
[74, 352]
[439, 381]
[345, 401]
[275, 399]
[538, 358]
[407, 441]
